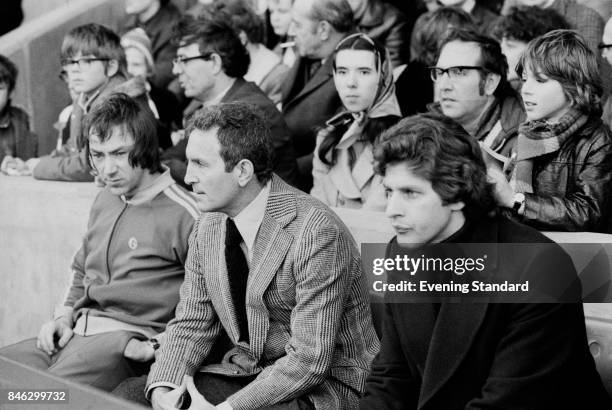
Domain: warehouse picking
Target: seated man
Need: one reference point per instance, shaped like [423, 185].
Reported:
[465, 355]
[275, 270]
[471, 88]
[126, 276]
[520, 26]
[309, 95]
[94, 62]
[210, 64]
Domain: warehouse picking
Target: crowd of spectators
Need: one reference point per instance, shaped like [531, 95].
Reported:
[527, 81]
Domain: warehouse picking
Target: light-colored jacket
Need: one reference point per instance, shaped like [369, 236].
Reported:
[340, 185]
[310, 327]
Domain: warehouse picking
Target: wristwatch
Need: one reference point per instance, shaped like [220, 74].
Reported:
[154, 343]
[519, 203]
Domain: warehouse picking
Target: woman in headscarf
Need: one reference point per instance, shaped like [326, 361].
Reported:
[343, 172]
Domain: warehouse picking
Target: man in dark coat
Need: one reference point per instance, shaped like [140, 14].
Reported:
[210, 64]
[309, 95]
[458, 355]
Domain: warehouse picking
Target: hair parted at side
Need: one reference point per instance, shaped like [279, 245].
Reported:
[242, 134]
[564, 56]
[337, 13]
[94, 40]
[214, 35]
[439, 150]
[123, 112]
[492, 59]
[8, 73]
[242, 16]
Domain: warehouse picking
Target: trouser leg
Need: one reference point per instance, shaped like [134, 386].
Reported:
[27, 353]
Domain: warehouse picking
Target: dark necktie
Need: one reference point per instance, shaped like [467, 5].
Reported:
[313, 68]
[237, 274]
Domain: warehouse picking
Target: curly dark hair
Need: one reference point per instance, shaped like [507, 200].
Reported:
[442, 152]
[524, 23]
[215, 35]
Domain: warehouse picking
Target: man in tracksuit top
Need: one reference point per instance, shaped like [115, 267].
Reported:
[126, 276]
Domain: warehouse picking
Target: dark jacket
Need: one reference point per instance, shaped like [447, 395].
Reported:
[160, 29]
[387, 25]
[284, 164]
[573, 186]
[488, 355]
[16, 138]
[414, 88]
[305, 109]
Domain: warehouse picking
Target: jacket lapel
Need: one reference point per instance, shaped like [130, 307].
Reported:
[271, 246]
[323, 74]
[217, 280]
[452, 337]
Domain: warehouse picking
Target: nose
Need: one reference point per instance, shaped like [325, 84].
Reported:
[109, 166]
[444, 82]
[351, 80]
[176, 69]
[189, 178]
[393, 208]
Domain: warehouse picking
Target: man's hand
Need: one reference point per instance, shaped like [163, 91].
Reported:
[14, 166]
[198, 402]
[504, 194]
[165, 398]
[139, 350]
[61, 328]
[31, 164]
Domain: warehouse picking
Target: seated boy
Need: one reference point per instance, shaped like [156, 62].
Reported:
[17, 143]
[94, 61]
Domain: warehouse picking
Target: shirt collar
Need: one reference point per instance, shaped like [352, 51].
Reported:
[249, 219]
[147, 193]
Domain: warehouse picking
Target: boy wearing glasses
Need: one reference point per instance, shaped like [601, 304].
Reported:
[471, 87]
[94, 61]
[125, 279]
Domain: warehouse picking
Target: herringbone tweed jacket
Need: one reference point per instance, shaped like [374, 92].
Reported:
[310, 327]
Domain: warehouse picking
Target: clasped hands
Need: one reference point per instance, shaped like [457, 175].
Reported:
[164, 398]
[14, 166]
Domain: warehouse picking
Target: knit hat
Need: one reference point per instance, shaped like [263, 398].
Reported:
[138, 39]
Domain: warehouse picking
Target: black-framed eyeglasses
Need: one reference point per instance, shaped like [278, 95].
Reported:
[180, 61]
[601, 46]
[454, 73]
[83, 63]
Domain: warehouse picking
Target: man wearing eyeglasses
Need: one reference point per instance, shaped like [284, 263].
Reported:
[94, 62]
[210, 64]
[606, 52]
[471, 87]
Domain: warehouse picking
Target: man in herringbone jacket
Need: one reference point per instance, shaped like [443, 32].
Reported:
[308, 340]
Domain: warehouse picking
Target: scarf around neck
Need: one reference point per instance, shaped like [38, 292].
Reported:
[538, 138]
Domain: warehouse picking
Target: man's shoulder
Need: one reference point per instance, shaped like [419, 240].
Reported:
[179, 201]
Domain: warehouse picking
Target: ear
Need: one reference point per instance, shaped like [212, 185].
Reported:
[491, 83]
[217, 63]
[456, 206]
[112, 67]
[324, 30]
[243, 38]
[245, 172]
